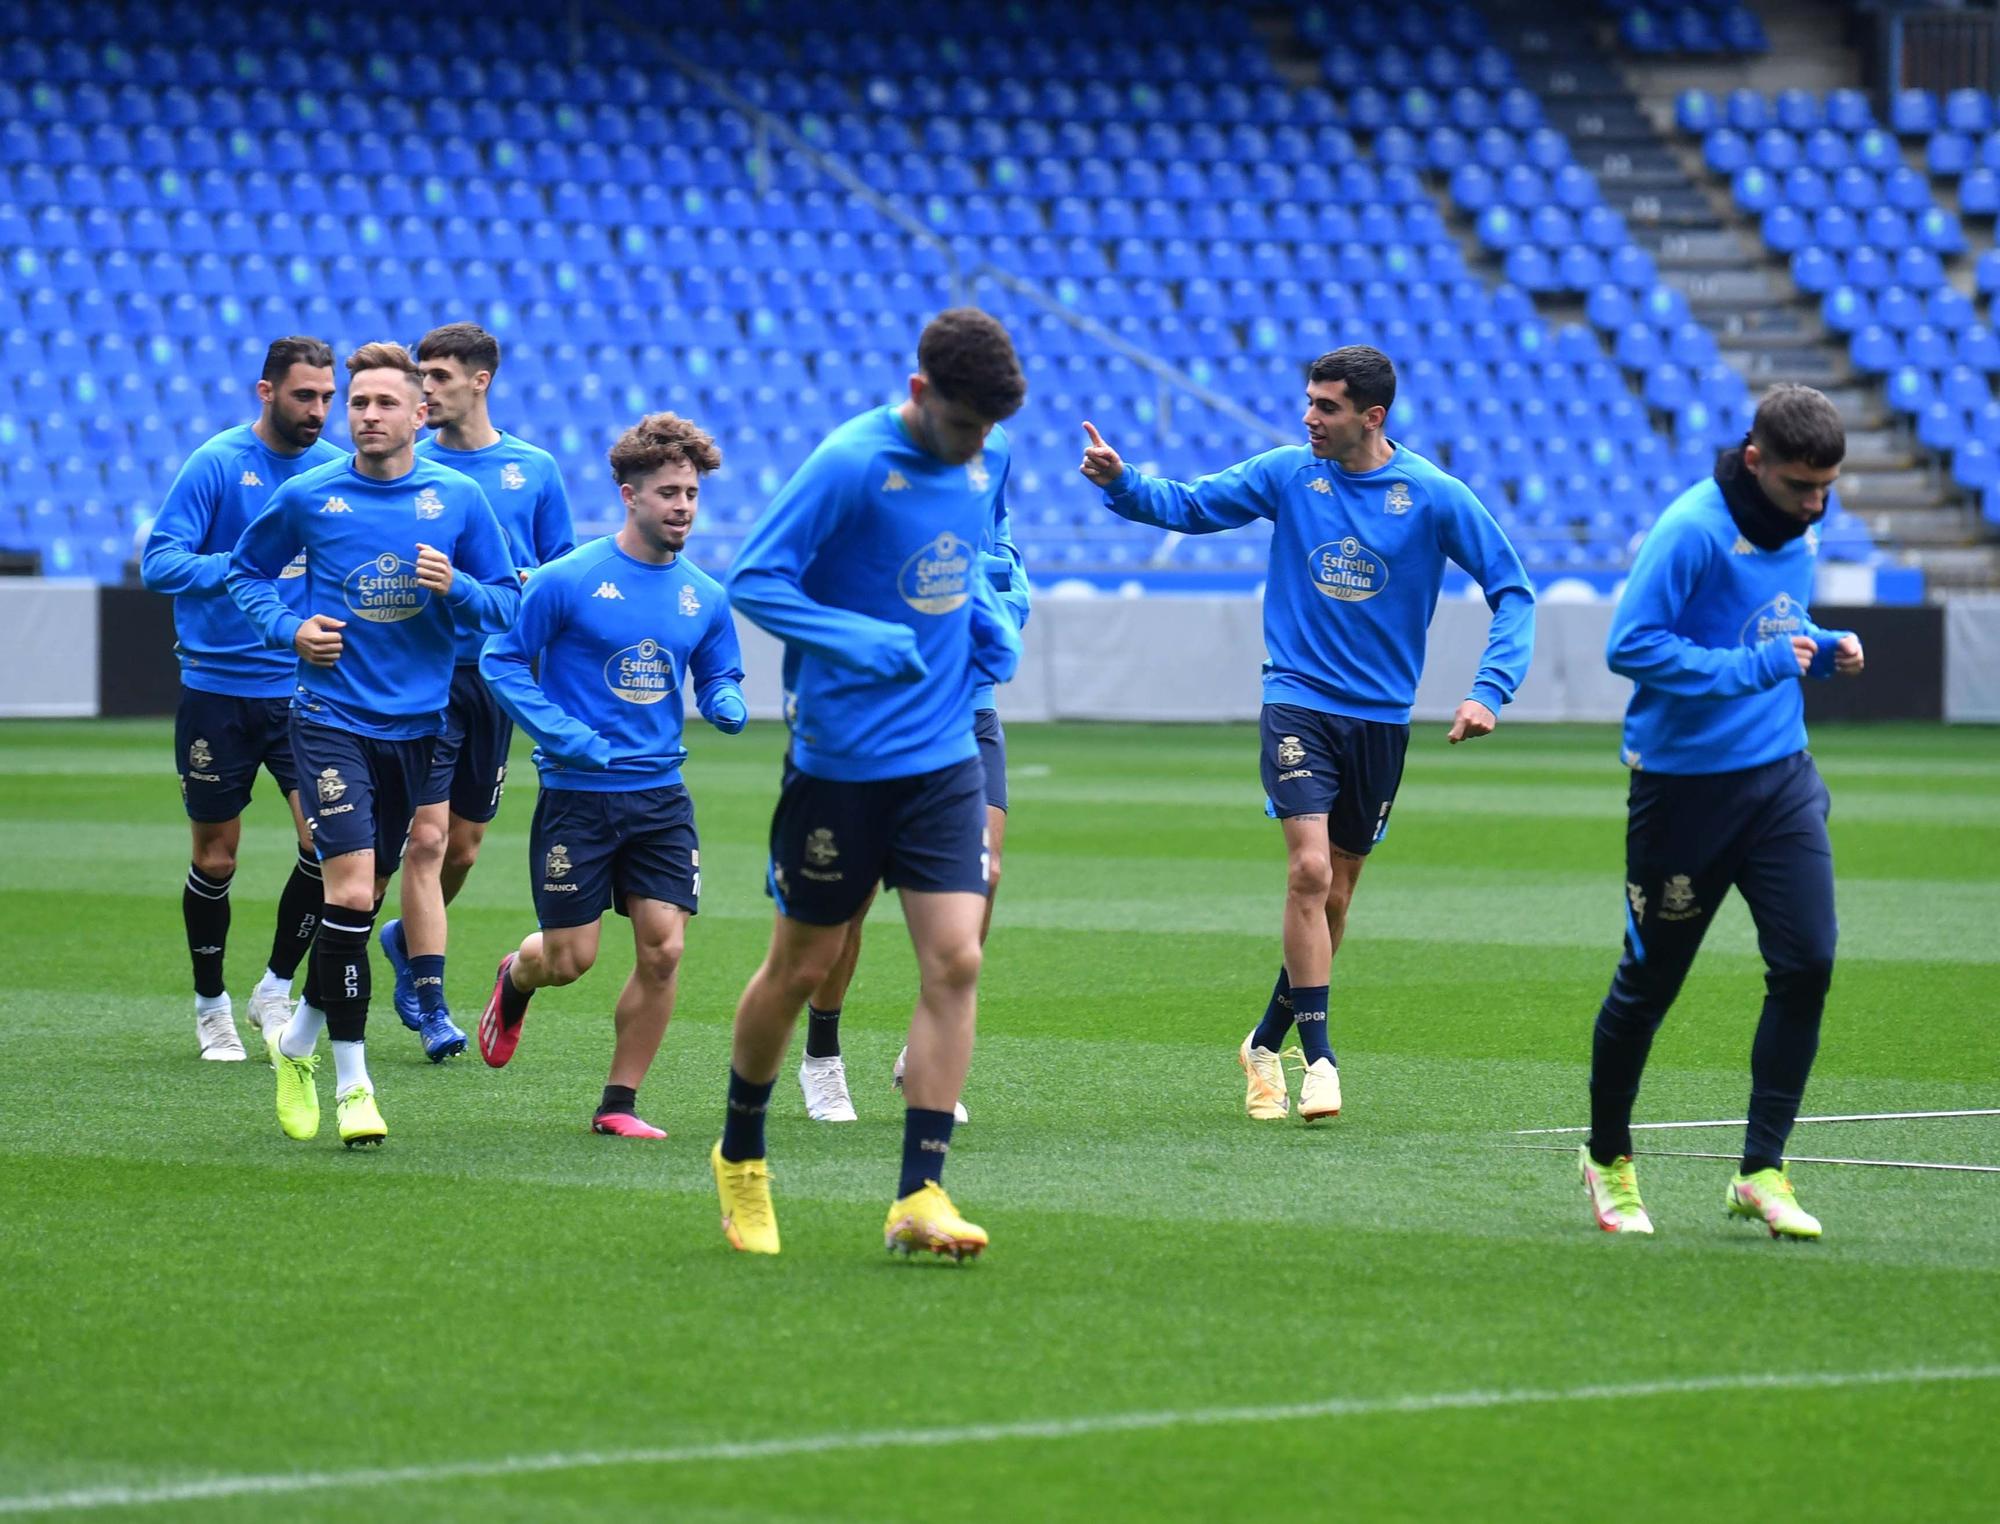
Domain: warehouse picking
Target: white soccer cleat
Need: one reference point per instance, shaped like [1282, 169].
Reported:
[957, 1107]
[270, 1010]
[824, 1082]
[1264, 1096]
[216, 1032]
[1319, 1091]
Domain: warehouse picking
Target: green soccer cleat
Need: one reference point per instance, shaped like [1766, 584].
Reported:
[1767, 1197]
[360, 1123]
[298, 1097]
[1614, 1193]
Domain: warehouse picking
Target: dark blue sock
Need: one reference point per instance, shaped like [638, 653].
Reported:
[743, 1123]
[926, 1140]
[427, 974]
[1277, 1020]
[1309, 1011]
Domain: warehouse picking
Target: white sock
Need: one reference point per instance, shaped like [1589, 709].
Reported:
[205, 1005]
[272, 984]
[350, 1067]
[301, 1034]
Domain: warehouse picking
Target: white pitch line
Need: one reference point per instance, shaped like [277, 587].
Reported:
[1682, 1153]
[1871, 1116]
[214, 1489]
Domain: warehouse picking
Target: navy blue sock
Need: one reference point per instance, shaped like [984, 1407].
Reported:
[427, 974]
[822, 1032]
[1277, 1022]
[743, 1123]
[926, 1141]
[1309, 1011]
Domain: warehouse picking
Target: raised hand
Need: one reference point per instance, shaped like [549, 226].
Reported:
[1100, 462]
[433, 569]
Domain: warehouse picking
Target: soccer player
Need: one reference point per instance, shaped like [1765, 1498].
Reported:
[1362, 528]
[401, 554]
[232, 717]
[1712, 629]
[469, 765]
[866, 565]
[822, 1072]
[621, 630]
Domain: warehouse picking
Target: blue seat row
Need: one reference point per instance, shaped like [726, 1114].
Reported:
[1797, 111]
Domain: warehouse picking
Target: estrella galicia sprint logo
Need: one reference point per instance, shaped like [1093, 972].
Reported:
[936, 579]
[1780, 619]
[385, 590]
[296, 567]
[641, 674]
[1348, 571]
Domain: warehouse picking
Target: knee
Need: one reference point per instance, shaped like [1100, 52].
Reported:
[215, 860]
[461, 847]
[660, 961]
[955, 966]
[566, 965]
[1309, 876]
[1338, 898]
[426, 844]
[1803, 982]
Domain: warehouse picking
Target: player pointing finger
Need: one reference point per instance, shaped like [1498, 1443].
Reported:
[1100, 462]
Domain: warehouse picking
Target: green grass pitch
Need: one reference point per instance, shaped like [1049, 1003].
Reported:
[1412, 1318]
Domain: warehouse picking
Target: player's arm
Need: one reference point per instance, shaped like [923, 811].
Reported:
[766, 580]
[1470, 536]
[1003, 565]
[1226, 500]
[716, 664]
[996, 638]
[507, 664]
[268, 544]
[477, 580]
[554, 529]
[1644, 646]
[173, 561]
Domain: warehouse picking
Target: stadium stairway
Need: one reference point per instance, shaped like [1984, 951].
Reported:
[1773, 330]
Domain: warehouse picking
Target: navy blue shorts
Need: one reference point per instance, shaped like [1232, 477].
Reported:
[220, 741]
[590, 851]
[469, 765]
[359, 791]
[992, 755]
[831, 843]
[1330, 764]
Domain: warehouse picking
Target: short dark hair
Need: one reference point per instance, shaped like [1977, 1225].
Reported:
[1369, 374]
[295, 349]
[383, 355]
[1799, 426]
[465, 342]
[663, 439]
[968, 357]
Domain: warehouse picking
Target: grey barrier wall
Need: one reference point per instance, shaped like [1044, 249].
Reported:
[48, 648]
[71, 649]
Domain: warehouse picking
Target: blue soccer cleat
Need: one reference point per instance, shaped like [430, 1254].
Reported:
[408, 1011]
[442, 1038]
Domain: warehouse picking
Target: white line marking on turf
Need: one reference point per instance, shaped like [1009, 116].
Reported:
[1870, 1116]
[216, 1488]
[1682, 1153]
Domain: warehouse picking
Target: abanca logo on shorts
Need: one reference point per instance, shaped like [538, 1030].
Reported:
[1347, 570]
[936, 579]
[385, 590]
[641, 674]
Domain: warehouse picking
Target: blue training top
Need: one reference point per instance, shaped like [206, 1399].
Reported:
[222, 487]
[617, 640]
[867, 565]
[1704, 629]
[1357, 561]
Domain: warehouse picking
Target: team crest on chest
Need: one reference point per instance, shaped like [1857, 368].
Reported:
[512, 477]
[429, 505]
[689, 603]
[1398, 500]
[977, 474]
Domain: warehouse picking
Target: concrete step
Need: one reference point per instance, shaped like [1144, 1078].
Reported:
[1587, 121]
[1873, 451]
[1756, 325]
[1906, 507]
[1691, 247]
[1861, 405]
[1768, 363]
[1746, 287]
[1958, 568]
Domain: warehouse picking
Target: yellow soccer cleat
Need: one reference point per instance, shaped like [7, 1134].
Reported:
[1264, 1095]
[748, 1220]
[1614, 1193]
[1767, 1197]
[360, 1123]
[925, 1220]
[298, 1097]
[1319, 1088]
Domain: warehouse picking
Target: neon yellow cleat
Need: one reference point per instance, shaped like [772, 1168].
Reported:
[298, 1097]
[926, 1220]
[360, 1123]
[1264, 1096]
[748, 1220]
[1614, 1193]
[1767, 1197]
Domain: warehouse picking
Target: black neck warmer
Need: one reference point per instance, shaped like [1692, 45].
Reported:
[1760, 520]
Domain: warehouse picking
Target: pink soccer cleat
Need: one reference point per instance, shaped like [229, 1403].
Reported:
[622, 1124]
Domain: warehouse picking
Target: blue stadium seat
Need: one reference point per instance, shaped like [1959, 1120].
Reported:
[1913, 113]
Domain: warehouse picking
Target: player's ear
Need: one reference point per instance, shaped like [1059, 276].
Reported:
[265, 392]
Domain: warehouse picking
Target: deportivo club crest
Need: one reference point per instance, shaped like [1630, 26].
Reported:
[512, 477]
[200, 758]
[1290, 752]
[556, 864]
[1398, 500]
[429, 504]
[689, 603]
[977, 474]
[330, 786]
[820, 848]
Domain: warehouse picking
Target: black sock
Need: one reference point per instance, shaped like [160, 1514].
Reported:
[822, 1032]
[619, 1099]
[743, 1123]
[298, 916]
[926, 1141]
[513, 999]
[340, 958]
[205, 909]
